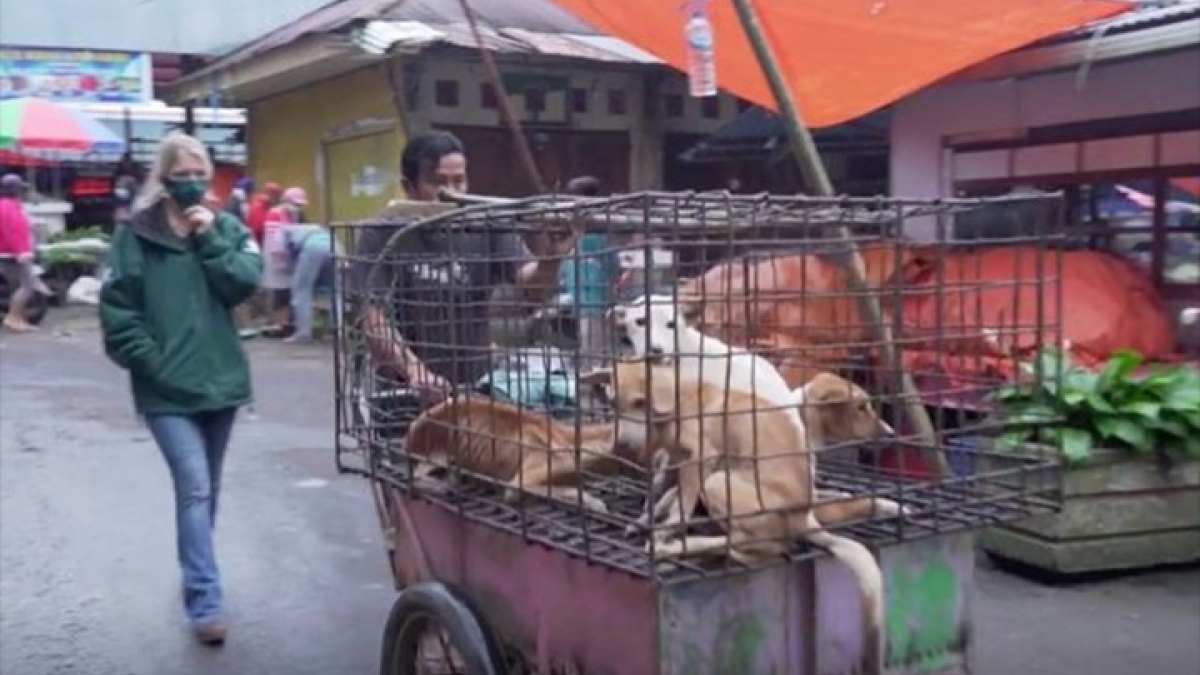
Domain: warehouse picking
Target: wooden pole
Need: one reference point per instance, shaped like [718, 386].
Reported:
[524, 153]
[849, 258]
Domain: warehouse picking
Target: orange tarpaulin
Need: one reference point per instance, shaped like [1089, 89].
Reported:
[845, 58]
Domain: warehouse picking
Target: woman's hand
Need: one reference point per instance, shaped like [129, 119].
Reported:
[200, 218]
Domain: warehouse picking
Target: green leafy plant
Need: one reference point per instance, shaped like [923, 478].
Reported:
[1153, 413]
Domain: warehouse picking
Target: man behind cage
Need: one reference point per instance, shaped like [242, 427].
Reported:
[425, 310]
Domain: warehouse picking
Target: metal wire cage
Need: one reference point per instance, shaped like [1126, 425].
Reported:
[466, 381]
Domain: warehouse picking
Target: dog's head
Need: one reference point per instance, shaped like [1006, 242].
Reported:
[629, 387]
[841, 411]
[625, 386]
[649, 325]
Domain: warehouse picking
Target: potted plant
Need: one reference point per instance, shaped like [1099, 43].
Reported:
[1130, 442]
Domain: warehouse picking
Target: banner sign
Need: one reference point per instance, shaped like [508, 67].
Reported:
[76, 75]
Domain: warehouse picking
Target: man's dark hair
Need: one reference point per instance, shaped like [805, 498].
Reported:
[426, 151]
[584, 186]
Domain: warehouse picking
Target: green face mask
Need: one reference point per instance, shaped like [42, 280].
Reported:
[187, 193]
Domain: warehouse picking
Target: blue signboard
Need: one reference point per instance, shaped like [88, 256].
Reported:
[71, 75]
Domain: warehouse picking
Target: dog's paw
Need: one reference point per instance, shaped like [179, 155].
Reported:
[662, 548]
[892, 509]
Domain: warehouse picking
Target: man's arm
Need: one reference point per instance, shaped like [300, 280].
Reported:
[385, 344]
[536, 280]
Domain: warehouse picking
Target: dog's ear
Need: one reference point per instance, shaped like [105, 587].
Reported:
[829, 388]
[599, 376]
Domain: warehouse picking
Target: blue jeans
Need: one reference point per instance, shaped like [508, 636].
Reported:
[194, 447]
[313, 270]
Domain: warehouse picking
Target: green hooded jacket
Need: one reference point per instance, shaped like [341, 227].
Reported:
[166, 308]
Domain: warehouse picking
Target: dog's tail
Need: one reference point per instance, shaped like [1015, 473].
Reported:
[870, 583]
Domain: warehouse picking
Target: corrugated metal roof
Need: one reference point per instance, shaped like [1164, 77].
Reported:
[326, 19]
[1146, 14]
[414, 36]
[538, 16]
[528, 26]
[564, 45]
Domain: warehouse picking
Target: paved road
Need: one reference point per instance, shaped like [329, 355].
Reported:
[88, 583]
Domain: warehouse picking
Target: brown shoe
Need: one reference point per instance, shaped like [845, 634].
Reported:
[211, 633]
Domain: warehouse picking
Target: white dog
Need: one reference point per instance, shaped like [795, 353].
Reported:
[658, 326]
[654, 326]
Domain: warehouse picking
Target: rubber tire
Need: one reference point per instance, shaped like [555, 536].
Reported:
[439, 605]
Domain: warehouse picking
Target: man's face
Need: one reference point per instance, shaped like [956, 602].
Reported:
[450, 173]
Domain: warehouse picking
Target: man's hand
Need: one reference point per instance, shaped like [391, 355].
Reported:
[551, 242]
[431, 387]
[200, 218]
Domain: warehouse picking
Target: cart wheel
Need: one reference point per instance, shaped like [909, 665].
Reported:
[430, 631]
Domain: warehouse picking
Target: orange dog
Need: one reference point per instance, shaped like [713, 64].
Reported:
[523, 448]
[753, 469]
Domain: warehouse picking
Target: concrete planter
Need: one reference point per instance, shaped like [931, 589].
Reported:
[1119, 513]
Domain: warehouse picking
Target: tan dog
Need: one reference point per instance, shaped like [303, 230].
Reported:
[523, 448]
[751, 465]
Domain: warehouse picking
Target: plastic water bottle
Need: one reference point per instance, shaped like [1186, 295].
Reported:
[702, 66]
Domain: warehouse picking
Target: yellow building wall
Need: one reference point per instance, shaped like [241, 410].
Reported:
[284, 133]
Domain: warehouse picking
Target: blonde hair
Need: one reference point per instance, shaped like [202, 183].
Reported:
[174, 145]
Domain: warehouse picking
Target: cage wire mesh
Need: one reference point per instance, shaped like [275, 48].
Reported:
[563, 416]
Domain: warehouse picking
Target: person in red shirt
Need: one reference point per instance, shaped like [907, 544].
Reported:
[260, 205]
[16, 245]
[277, 272]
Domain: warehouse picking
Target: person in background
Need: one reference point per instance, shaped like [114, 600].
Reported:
[279, 270]
[290, 208]
[174, 275]
[238, 205]
[311, 248]
[587, 280]
[126, 179]
[260, 205]
[16, 245]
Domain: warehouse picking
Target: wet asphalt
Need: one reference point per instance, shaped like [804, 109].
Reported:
[89, 586]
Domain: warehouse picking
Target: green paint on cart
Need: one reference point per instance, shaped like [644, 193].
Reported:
[922, 612]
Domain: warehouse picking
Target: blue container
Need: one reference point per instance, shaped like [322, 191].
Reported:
[960, 452]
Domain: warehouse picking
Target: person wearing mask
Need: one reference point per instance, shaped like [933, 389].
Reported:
[174, 275]
[434, 335]
[278, 276]
[311, 248]
[16, 245]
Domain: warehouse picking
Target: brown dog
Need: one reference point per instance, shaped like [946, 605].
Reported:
[752, 466]
[523, 448]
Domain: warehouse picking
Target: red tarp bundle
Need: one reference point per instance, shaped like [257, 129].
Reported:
[967, 314]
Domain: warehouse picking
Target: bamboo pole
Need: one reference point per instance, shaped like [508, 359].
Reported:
[850, 260]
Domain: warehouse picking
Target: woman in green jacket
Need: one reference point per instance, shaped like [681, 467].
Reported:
[176, 271]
